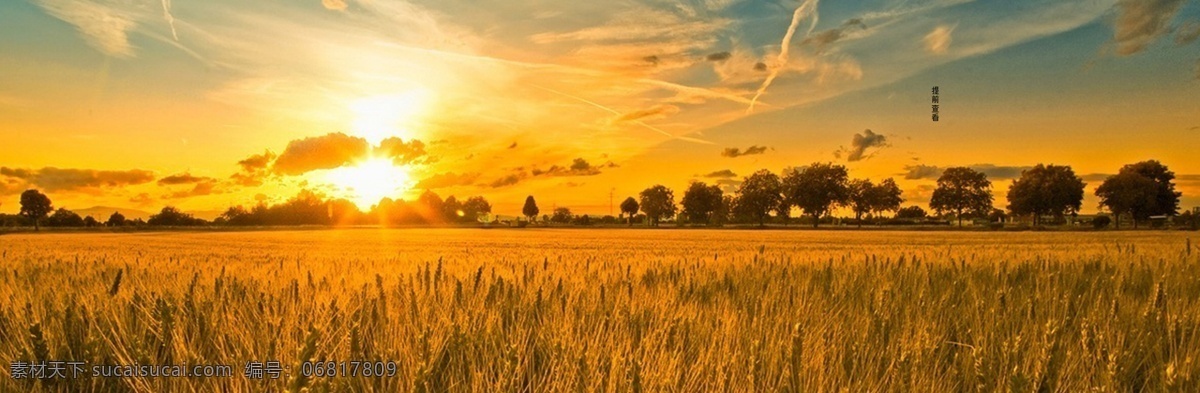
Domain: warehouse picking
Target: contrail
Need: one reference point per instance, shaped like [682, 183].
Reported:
[166, 4]
[615, 112]
[809, 7]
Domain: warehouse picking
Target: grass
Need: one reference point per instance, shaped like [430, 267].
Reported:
[611, 310]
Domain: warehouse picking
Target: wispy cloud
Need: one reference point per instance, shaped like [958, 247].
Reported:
[1141, 22]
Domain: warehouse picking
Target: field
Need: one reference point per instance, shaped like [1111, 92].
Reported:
[612, 310]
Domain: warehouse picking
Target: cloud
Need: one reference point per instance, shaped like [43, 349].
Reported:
[183, 178]
[729, 186]
[859, 145]
[446, 180]
[733, 152]
[1095, 177]
[143, 199]
[53, 179]
[654, 112]
[938, 40]
[1141, 22]
[724, 173]
[578, 167]
[993, 172]
[805, 10]
[257, 161]
[201, 188]
[103, 25]
[334, 5]
[1197, 75]
[1187, 33]
[322, 152]
[399, 151]
[508, 180]
[827, 37]
[719, 56]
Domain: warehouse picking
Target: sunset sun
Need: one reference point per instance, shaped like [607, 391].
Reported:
[368, 182]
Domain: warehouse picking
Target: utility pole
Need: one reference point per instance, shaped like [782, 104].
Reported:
[610, 200]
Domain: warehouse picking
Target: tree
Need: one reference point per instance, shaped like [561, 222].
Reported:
[452, 209]
[561, 215]
[1166, 199]
[474, 207]
[658, 202]
[1046, 190]
[35, 206]
[997, 215]
[962, 191]
[170, 216]
[759, 195]
[911, 213]
[862, 198]
[700, 201]
[430, 206]
[64, 218]
[817, 189]
[530, 210]
[90, 221]
[887, 197]
[1129, 192]
[629, 208]
[115, 220]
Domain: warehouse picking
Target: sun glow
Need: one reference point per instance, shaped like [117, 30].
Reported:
[379, 117]
[371, 180]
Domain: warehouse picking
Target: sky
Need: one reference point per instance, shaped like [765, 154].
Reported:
[141, 104]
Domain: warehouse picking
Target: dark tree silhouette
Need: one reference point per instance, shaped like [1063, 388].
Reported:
[430, 206]
[562, 215]
[658, 202]
[1046, 189]
[700, 201]
[862, 198]
[530, 210]
[1166, 199]
[962, 191]
[90, 221]
[629, 208]
[759, 195]
[35, 206]
[817, 189]
[171, 216]
[115, 220]
[452, 209]
[64, 218]
[1130, 193]
[474, 207]
[886, 197]
[911, 213]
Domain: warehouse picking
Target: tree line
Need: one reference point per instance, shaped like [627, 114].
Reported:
[1043, 194]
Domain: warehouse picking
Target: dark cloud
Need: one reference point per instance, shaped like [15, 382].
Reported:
[257, 161]
[1095, 177]
[725, 173]
[729, 186]
[654, 112]
[183, 178]
[508, 180]
[653, 59]
[859, 145]
[760, 67]
[142, 199]
[322, 152]
[53, 179]
[719, 56]
[578, 167]
[399, 151]
[1187, 33]
[513, 145]
[822, 39]
[733, 152]
[445, 180]
[1141, 22]
[9, 186]
[202, 188]
[993, 172]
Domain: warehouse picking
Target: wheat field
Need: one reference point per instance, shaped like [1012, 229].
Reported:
[542, 310]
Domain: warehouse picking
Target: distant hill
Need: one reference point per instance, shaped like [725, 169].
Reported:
[103, 212]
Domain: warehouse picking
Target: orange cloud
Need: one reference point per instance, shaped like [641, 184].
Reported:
[65, 179]
[322, 152]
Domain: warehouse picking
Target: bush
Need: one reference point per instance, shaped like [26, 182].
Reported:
[1101, 222]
